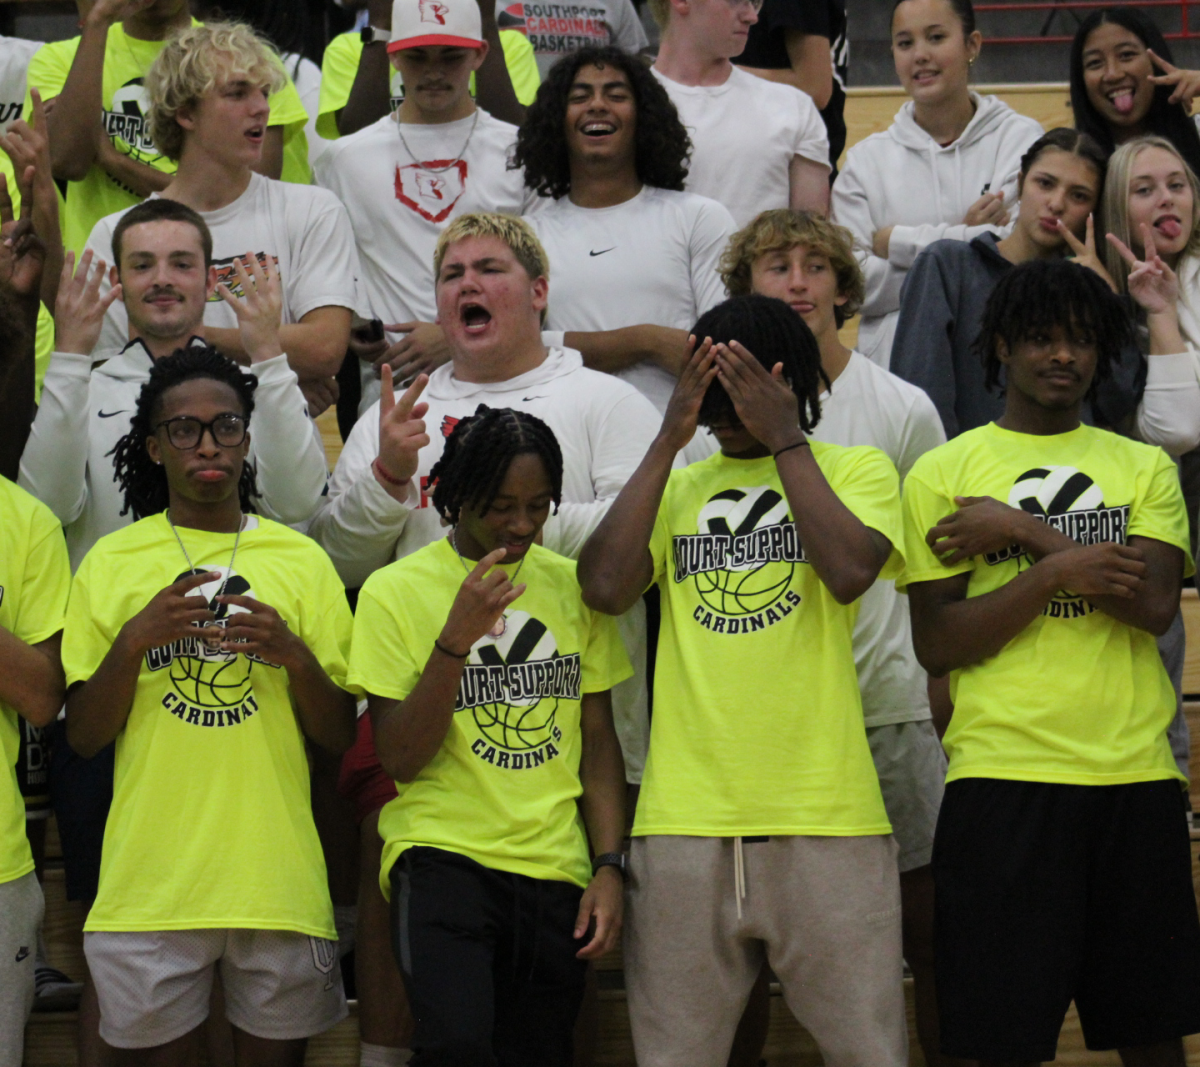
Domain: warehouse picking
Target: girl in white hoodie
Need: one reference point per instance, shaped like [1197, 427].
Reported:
[946, 168]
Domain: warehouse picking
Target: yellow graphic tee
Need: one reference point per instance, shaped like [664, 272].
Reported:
[34, 580]
[1077, 697]
[211, 822]
[125, 109]
[502, 790]
[758, 725]
[339, 66]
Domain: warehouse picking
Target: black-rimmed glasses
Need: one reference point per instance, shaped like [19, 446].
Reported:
[184, 431]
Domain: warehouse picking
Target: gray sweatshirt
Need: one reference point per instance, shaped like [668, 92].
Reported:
[1155, 399]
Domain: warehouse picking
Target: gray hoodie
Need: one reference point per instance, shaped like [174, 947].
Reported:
[1155, 399]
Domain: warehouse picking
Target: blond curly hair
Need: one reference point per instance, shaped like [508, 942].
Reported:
[194, 62]
[780, 230]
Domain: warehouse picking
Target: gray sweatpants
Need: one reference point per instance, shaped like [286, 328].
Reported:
[21, 910]
[703, 914]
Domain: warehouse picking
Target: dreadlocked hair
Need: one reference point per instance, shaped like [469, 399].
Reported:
[479, 452]
[774, 333]
[661, 144]
[1037, 297]
[143, 481]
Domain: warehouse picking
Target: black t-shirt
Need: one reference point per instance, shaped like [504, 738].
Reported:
[766, 48]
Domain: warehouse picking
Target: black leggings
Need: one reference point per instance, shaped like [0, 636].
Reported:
[488, 960]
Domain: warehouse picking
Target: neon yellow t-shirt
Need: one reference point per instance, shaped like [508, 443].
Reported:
[125, 104]
[34, 579]
[44, 342]
[211, 822]
[503, 788]
[757, 725]
[339, 66]
[1077, 697]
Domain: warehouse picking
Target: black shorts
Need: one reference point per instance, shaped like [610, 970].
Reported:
[488, 960]
[81, 791]
[1048, 893]
[33, 768]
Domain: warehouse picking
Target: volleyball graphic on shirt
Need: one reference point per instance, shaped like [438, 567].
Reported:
[432, 187]
[512, 683]
[1054, 490]
[743, 556]
[126, 121]
[1072, 502]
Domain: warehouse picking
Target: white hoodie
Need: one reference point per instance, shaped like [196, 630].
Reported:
[67, 463]
[904, 179]
[604, 427]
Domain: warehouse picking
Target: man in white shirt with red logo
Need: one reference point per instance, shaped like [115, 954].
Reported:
[407, 176]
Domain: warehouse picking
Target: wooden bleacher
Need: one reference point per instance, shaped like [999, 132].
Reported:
[50, 1040]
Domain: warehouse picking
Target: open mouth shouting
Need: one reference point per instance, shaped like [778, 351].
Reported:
[256, 134]
[475, 319]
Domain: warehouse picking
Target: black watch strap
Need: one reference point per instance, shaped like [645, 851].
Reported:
[374, 35]
[612, 859]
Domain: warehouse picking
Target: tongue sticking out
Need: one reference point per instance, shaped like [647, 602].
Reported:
[1169, 228]
[1123, 102]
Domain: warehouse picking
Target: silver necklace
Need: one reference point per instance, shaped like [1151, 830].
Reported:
[437, 170]
[236, 541]
[498, 629]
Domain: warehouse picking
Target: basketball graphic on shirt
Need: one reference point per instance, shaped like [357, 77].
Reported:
[432, 187]
[227, 275]
[522, 721]
[204, 675]
[745, 584]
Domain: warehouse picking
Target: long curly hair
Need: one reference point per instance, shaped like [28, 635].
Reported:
[661, 144]
[143, 482]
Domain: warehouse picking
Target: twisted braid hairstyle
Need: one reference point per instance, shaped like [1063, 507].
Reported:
[773, 333]
[1037, 297]
[144, 482]
[479, 452]
[661, 144]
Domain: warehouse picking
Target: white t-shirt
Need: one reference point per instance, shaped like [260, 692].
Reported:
[15, 54]
[398, 208]
[302, 226]
[745, 134]
[871, 406]
[652, 259]
[557, 29]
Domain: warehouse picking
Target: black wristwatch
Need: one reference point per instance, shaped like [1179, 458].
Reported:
[374, 35]
[612, 859]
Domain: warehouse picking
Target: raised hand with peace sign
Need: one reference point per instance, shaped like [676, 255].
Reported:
[1185, 84]
[1085, 251]
[401, 434]
[1154, 285]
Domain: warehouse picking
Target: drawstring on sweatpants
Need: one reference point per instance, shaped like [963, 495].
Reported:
[739, 875]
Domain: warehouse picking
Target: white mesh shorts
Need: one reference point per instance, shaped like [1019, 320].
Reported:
[154, 986]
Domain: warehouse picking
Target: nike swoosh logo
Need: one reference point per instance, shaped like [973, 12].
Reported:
[111, 414]
[526, 399]
[22, 954]
[602, 251]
